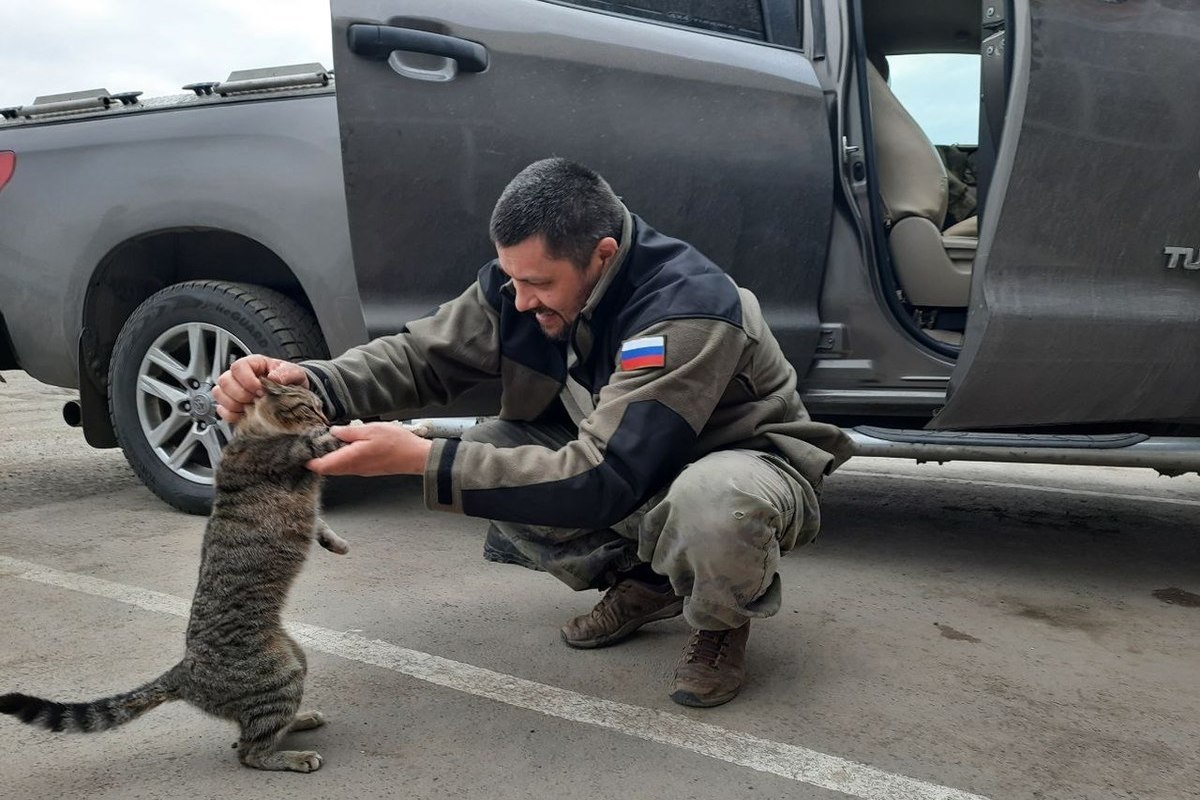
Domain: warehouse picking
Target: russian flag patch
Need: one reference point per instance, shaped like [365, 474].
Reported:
[641, 353]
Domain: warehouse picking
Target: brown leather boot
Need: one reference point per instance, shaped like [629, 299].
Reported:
[712, 667]
[624, 608]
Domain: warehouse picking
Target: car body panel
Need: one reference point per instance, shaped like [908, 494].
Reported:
[1077, 314]
[183, 168]
[720, 141]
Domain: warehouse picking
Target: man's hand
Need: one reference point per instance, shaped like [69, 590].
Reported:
[238, 386]
[377, 448]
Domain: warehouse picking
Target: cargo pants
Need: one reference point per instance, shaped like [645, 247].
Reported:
[716, 532]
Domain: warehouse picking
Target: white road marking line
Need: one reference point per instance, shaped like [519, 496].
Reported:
[764, 755]
[1177, 501]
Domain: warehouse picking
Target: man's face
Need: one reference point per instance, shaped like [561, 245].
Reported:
[554, 290]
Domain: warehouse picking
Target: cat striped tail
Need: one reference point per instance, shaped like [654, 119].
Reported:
[98, 715]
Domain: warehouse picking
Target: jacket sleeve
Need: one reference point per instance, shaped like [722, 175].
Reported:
[430, 362]
[636, 440]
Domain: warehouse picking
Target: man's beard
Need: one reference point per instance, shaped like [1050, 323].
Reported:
[557, 336]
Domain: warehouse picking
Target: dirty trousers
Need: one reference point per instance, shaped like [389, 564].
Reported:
[716, 532]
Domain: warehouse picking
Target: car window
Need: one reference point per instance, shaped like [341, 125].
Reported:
[735, 17]
[941, 92]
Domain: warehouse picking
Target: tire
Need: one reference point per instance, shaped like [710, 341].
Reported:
[166, 359]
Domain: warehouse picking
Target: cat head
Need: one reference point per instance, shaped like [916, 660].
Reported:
[283, 409]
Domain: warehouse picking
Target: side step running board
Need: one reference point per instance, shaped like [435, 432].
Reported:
[1169, 455]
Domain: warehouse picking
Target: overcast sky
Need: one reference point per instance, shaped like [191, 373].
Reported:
[153, 46]
[157, 46]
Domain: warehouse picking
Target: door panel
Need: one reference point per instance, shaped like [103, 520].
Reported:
[719, 141]
[1077, 314]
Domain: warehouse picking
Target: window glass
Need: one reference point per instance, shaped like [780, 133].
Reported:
[941, 92]
[735, 17]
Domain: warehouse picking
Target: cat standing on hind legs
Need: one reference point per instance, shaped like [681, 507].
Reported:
[239, 663]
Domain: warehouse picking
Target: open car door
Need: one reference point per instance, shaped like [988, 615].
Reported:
[1085, 300]
[707, 131]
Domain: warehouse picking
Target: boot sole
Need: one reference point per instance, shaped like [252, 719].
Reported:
[695, 701]
[623, 632]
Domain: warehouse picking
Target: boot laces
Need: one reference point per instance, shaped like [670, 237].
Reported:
[610, 597]
[707, 647]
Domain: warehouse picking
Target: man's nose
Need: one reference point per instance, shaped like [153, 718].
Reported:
[524, 300]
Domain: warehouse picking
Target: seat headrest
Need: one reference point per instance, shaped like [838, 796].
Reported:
[912, 177]
[880, 63]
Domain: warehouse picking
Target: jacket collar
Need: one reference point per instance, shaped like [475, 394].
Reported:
[614, 267]
[582, 335]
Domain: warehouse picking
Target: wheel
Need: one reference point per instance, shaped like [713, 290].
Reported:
[168, 356]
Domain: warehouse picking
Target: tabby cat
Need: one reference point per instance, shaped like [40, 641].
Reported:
[239, 663]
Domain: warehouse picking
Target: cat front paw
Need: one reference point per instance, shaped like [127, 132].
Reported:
[325, 444]
[336, 544]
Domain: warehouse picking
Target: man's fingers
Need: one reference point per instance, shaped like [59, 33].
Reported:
[365, 444]
[240, 385]
[244, 385]
[354, 433]
[287, 373]
[377, 448]
[339, 462]
[225, 412]
[223, 397]
[230, 392]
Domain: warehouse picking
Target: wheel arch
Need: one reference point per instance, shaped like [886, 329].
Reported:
[140, 266]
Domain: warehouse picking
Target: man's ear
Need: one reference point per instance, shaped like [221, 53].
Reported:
[605, 249]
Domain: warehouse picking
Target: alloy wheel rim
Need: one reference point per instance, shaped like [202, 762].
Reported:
[174, 397]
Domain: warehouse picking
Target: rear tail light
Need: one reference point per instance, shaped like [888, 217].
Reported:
[8, 162]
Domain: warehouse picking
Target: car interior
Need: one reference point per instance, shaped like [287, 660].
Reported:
[927, 191]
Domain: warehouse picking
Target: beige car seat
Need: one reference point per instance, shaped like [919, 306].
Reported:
[933, 266]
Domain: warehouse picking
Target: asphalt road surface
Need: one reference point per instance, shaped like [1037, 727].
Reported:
[957, 632]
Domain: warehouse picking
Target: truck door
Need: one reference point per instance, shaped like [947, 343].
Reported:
[707, 130]
[1085, 302]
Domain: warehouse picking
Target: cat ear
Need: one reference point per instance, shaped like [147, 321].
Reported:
[269, 385]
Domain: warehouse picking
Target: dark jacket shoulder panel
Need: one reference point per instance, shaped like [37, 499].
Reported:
[668, 279]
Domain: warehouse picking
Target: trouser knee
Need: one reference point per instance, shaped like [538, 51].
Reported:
[718, 534]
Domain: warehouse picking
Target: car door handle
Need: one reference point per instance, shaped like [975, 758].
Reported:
[380, 41]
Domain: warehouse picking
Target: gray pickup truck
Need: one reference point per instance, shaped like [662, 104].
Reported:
[144, 244]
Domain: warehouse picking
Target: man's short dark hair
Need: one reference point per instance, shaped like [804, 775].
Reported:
[568, 204]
